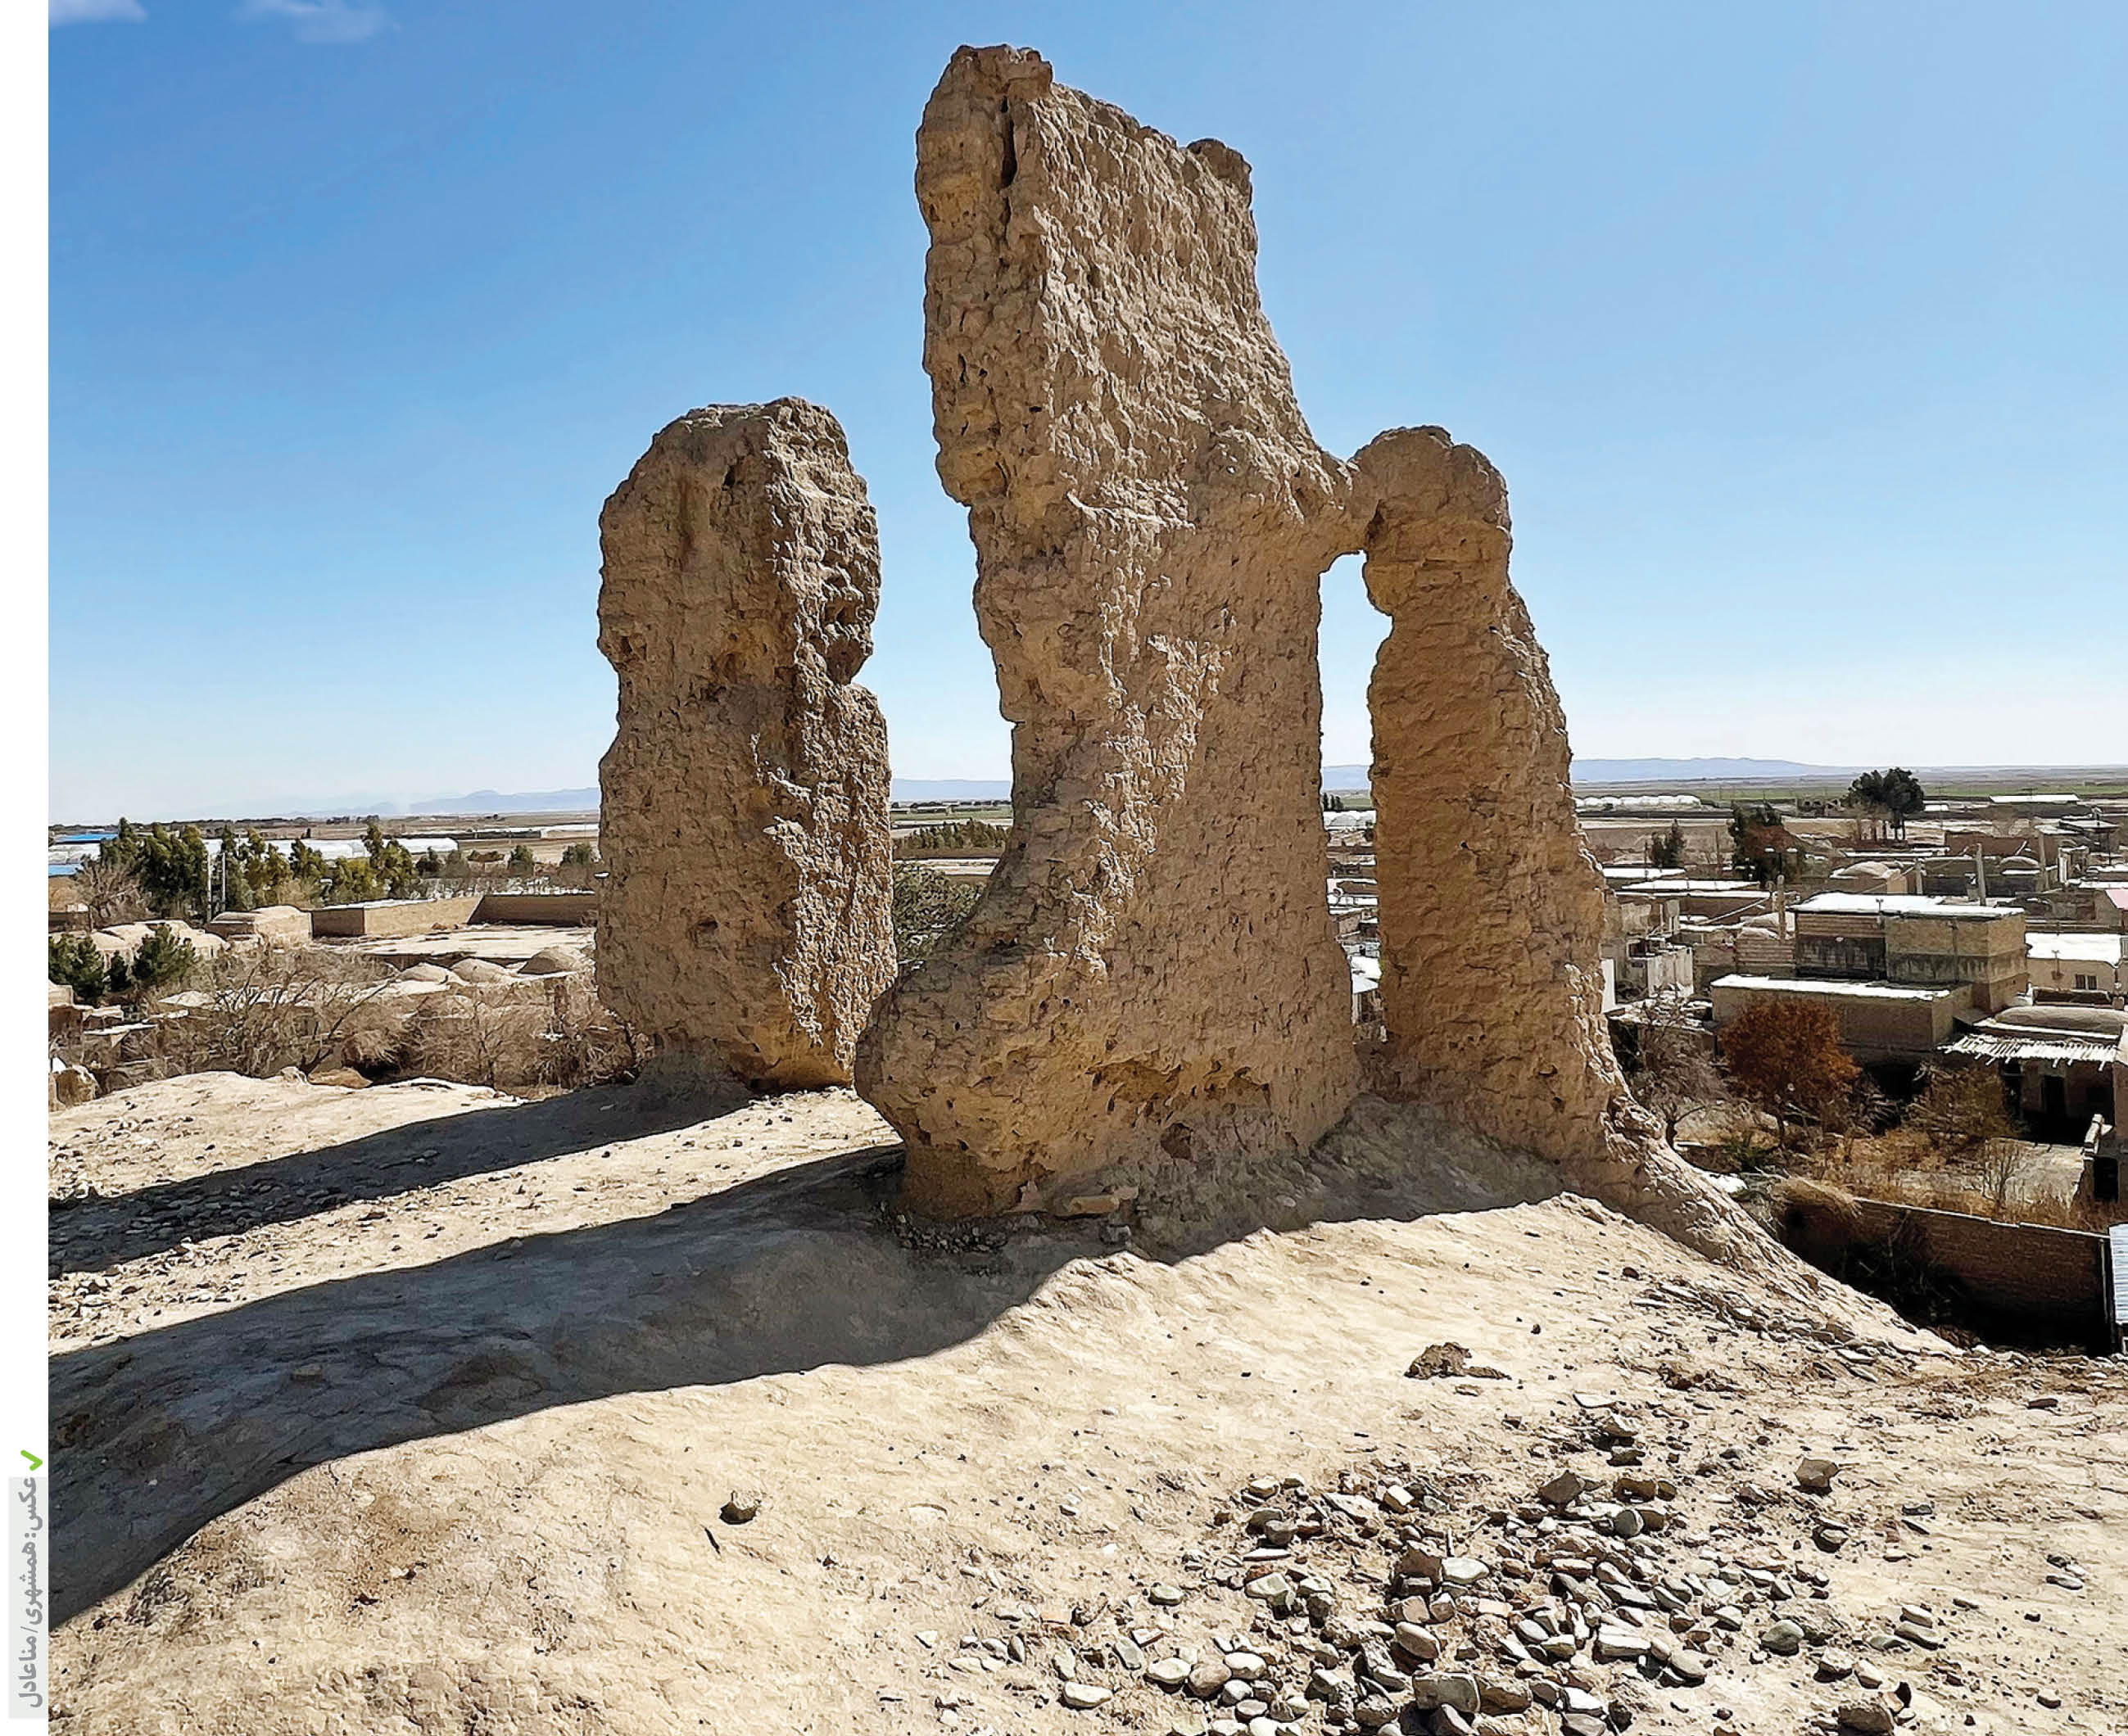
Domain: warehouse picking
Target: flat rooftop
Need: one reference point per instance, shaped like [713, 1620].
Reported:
[1836, 989]
[2097, 949]
[1658, 887]
[1902, 903]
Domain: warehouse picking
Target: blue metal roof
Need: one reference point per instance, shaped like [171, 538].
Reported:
[2117, 1246]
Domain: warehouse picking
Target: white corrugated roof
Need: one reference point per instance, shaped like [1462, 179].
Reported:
[1673, 888]
[2059, 1047]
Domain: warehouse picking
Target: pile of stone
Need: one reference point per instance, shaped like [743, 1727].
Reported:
[1400, 1600]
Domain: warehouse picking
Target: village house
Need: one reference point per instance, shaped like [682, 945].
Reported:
[2085, 967]
[1899, 971]
[2061, 1066]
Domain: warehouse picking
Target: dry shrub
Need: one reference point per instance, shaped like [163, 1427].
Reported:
[551, 1035]
[267, 1008]
[1960, 1107]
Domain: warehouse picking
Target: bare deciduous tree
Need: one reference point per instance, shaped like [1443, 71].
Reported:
[2002, 1166]
[266, 1008]
[1961, 1108]
[112, 892]
[1673, 1071]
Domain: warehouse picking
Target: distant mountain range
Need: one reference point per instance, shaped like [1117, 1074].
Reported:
[1641, 771]
[1588, 775]
[496, 801]
[953, 790]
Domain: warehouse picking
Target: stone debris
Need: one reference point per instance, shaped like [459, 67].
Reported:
[1374, 1610]
[1869, 1714]
[1442, 1362]
[744, 921]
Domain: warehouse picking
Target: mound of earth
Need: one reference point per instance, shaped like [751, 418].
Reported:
[424, 1409]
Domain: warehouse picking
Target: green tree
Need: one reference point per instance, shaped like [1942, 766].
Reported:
[522, 863]
[232, 890]
[394, 866]
[171, 868]
[162, 960]
[1759, 844]
[952, 838]
[75, 964]
[351, 881]
[579, 864]
[1666, 850]
[1893, 795]
[265, 869]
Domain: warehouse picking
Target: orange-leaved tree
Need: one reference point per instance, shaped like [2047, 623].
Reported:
[1785, 1056]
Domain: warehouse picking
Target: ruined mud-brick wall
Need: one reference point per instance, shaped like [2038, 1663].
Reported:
[1491, 908]
[744, 920]
[1151, 969]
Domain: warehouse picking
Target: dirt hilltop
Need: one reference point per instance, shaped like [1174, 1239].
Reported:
[448, 1412]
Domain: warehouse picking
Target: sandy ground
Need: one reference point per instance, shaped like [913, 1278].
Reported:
[421, 1410]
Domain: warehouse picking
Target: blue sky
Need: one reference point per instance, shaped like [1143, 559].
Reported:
[1797, 332]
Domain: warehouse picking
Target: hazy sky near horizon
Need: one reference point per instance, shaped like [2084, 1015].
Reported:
[1798, 333]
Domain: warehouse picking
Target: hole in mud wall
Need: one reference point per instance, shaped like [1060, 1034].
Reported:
[1347, 643]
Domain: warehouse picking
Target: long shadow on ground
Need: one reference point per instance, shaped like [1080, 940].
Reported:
[94, 1235]
[158, 1434]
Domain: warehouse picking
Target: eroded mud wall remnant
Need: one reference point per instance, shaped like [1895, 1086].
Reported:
[1152, 968]
[744, 921]
[1490, 904]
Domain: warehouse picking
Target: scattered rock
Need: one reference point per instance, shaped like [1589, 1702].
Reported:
[1564, 1490]
[1440, 1362]
[1814, 1476]
[1460, 1691]
[1207, 1677]
[1867, 1714]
